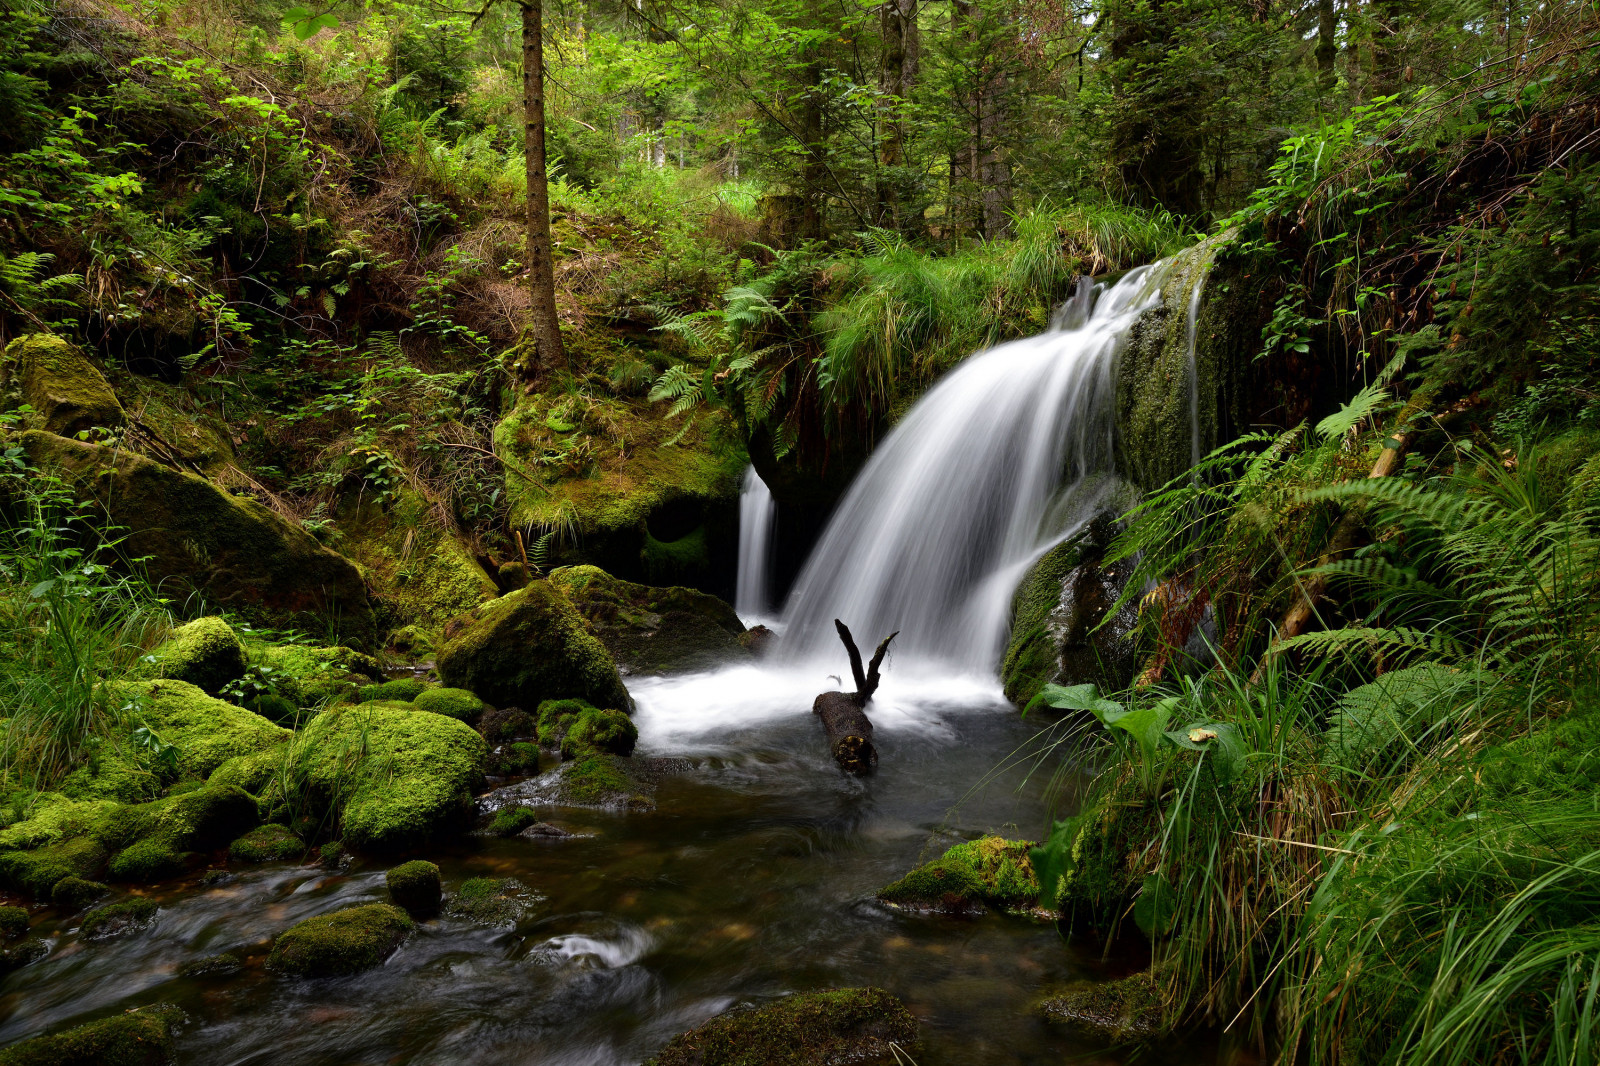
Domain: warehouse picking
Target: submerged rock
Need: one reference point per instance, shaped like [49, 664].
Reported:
[212, 966]
[495, 901]
[344, 942]
[414, 886]
[529, 646]
[118, 919]
[67, 392]
[1119, 1012]
[139, 1037]
[593, 780]
[654, 630]
[840, 1025]
[988, 872]
[206, 653]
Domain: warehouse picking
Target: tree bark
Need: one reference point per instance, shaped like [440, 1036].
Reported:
[545, 329]
[896, 75]
[843, 714]
[1327, 45]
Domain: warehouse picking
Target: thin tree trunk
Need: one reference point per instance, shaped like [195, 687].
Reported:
[813, 169]
[1327, 44]
[545, 329]
[898, 22]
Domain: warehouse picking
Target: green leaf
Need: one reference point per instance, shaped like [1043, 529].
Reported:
[1076, 698]
[1156, 906]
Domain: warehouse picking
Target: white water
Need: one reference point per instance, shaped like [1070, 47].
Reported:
[1006, 455]
[757, 512]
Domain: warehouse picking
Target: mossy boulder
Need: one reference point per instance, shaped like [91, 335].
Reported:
[344, 942]
[310, 676]
[147, 860]
[1131, 1010]
[455, 703]
[415, 886]
[855, 1025]
[14, 922]
[150, 841]
[496, 901]
[423, 573]
[76, 893]
[507, 723]
[140, 1037]
[529, 646]
[212, 966]
[267, 843]
[206, 731]
[413, 783]
[400, 690]
[206, 652]
[990, 871]
[607, 731]
[67, 392]
[651, 630]
[118, 919]
[37, 872]
[592, 779]
[517, 757]
[193, 535]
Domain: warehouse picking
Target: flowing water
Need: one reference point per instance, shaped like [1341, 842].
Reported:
[757, 514]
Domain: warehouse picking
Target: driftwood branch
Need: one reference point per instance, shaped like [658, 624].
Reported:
[843, 716]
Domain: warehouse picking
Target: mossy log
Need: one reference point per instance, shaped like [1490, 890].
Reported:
[843, 714]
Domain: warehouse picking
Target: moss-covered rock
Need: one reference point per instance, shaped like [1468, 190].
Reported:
[267, 843]
[399, 690]
[13, 922]
[508, 723]
[990, 871]
[147, 860]
[206, 653]
[140, 1037]
[654, 630]
[855, 1025]
[509, 821]
[415, 886]
[402, 776]
[212, 966]
[344, 942]
[529, 646]
[151, 840]
[76, 893]
[67, 392]
[207, 732]
[118, 919]
[193, 535]
[455, 703]
[517, 757]
[37, 872]
[1129, 1010]
[423, 573]
[607, 731]
[496, 901]
[16, 956]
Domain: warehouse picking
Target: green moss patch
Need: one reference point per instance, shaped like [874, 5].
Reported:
[37, 872]
[496, 901]
[455, 703]
[507, 723]
[206, 732]
[415, 886]
[424, 575]
[142, 1037]
[67, 392]
[990, 871]
[206, 652]
[13, 922]
[344, 942]
[118, 919]
[509, 821]
[1130, 1010]
[268, 843]
[609, 732]
[148, 860]
[856, 1025]
[400, 690]
[76, 893]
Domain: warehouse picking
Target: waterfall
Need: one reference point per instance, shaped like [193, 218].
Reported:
[1007, 454]
[757, 512]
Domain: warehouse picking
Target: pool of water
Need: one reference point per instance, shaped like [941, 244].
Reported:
[753, 877]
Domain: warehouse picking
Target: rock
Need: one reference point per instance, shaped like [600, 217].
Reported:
[139, 1037]
[654, 630]
[510, 821]
[118, 919]
[422, 571]
[212, 966]
[1056, 615]
[413, 783]
[13, 922]
[593, 780]
[494, 901]
[757, 640]
[75, 893]
[1127, 1011]
[268, 843]
[990, 871]
[16, 956]
[344, 942]
[514, 758]
[37, 872]
[205, 652]
[577, 728]
[193, 535]
[150, 840]
[207, 732]
[839, 1025]
[545, 831]
[410, 642]
[68, 393]
[146, 861]
[414, 886]
[512, 575]
[455, 703]
[401, 689]
[507, 723]
[529, 646]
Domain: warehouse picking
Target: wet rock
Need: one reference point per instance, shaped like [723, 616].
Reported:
[205, 652]
[140, 1037]
[455, 703]
[969, 878]
[1130, 1010]
[546, 831]
[68, 393]
[118, 919]
[840, 1025]
[518, 757]
[191, 534]
[493, 901]
[576, 728]
[415, 887]
[213, 966]
[13, 922]
[529, 646]
[38, 871]
[16, 956]
[344, 942]
[651, 630]
[151, 840]
[333, 855]
[593, 780]
[75, 893]
[507, 723]
[410, 642]
[757, 640]
[268, 843]
[510, 821]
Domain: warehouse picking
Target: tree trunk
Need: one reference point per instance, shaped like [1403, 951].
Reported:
[545, 329]
[1327, 45]
[813, 170]
[842, 713]
[896, 75]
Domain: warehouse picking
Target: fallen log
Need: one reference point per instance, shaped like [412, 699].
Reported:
[843, 714]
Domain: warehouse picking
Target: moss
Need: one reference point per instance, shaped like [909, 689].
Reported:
[1130, 1010]
[147, 860]
[185, 430]
[455, 703]
[413, 642]
[55, 818]
[118, 919]
[305, 661]
[207, 732]
[507, 723]
[653, 630]
[529, 646]
[676, 560]
[141, 1037]
[399, 776]
[857, 1025]
[595, 779]
[1032, 659]
[424, 575]
[556, 717]
[517, 758]
[200, 820]
[75, 893]
[205, 652]
[212, 966]
[268, 843]
[38, 872]
[67, 392]
[497, 901]
[415, 886]
[280, 710]
[250, 772]
[344, 942]
[13, 922]
[193, 536]
[400, 690]
[509, 821]
[606, 731]
[990, 870]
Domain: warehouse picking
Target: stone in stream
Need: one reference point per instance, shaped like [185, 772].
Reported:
[593, 779]
[1125, 1011]
[414, 886]
[651, 630]
[344, 942]
[968, 879]
[838, 1025]
[118, 919]
[140, 1037]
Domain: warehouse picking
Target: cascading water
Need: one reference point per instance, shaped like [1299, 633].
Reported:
[1010, 452]
[757, 512]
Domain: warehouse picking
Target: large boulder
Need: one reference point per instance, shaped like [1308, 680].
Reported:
[855, 1025]
[529, 646]
[206, 732]
[140, 1037]
[193, 535]
[652, 630]
[205, 652]
[67, 392]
